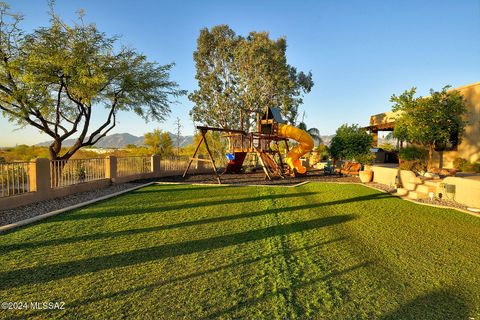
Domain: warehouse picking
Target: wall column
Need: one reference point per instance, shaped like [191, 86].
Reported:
[111, 168]
[39, 172]
[155, 165]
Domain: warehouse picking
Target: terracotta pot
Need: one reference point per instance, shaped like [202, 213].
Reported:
[366, 176]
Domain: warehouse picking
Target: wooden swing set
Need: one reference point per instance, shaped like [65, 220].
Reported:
[264, 143]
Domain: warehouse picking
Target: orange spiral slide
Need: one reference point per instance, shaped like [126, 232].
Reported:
[305, 144]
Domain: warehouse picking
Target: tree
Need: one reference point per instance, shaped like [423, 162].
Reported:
[159, 142]
[55, 78]
[435, 122]
[265, 78]
[313, 132]
[238, 77]
[216, 143]
[350, 142]
[178, 124]
[216, 100]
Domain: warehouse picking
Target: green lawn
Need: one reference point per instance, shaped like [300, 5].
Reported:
[324, 251]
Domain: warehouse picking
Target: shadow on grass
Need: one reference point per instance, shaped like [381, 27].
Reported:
[440, 304]
[107, 235]
[156, 285]
[161, 209]
[41, 274]
[168, 188]
[98, 236]
[285, 292]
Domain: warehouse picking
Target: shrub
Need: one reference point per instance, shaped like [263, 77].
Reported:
[413, 158]
[365, 158]
[414, 165]
[471, 167]
[323, 152]
[387, 146]
[412, 153]
[458, 163]
[349, 142]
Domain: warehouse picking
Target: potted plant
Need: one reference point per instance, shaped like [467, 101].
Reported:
[366, 174]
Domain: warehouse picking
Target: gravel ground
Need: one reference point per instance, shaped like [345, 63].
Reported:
[258, 178]
[35, 209]
[383, 187]
[443, 202]
[439, 202]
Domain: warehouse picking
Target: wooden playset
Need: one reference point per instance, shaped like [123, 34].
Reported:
[265, 143]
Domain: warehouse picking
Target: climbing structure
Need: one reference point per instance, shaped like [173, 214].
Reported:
[265, 143]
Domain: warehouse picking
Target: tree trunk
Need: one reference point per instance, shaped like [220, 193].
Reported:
[430, 157]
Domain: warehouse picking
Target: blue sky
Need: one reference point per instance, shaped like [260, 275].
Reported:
[360, 52]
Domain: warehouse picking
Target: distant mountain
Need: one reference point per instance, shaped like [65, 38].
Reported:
[327, 139]
[121, 140]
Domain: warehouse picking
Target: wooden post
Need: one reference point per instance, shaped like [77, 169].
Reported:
[193, 157]
[211, 157]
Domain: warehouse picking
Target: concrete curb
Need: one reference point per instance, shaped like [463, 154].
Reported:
[75, 206]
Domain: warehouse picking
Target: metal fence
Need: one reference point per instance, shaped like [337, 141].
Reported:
[69, 172]
[127, 166]
[14, 178]
[173, 163]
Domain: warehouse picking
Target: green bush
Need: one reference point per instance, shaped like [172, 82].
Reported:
[458, 163]
[413, 165]
[412, 153]
[349, 142]
[471, 167]
[365, 158]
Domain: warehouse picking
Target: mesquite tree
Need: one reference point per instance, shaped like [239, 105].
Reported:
[57, 77]
[435, 122]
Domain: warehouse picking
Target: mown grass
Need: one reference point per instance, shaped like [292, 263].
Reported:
[322, 251]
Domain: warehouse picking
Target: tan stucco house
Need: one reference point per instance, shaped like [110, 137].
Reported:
[468, 149]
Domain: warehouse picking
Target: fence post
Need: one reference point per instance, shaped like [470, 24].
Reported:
[40, 176]
[111, 168]
[155, 165]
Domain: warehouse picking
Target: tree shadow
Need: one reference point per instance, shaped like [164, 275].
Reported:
[41, 274]
[97, 236]
[440, 304]
[158, 284]
[156, 209]
[165, 188]
[284, 291]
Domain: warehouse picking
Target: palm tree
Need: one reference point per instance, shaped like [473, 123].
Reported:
[313, 132]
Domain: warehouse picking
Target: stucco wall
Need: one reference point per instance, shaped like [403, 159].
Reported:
[467, 190]
[470, 147]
